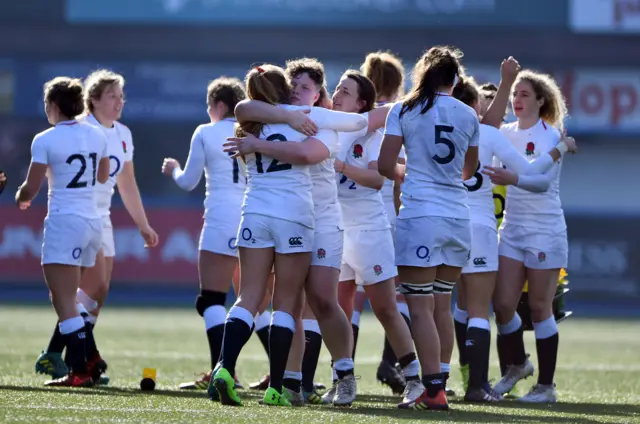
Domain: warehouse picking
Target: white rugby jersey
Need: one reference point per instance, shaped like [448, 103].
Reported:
[494, 145]
[225, 177]
[72, 151]
[120, 150]
[328, 214]
[362, 207]
[535, 210]
[282, 190]
[435, 144]
[387, 193]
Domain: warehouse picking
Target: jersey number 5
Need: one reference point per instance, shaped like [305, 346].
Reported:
[275, 164]
[479, 181]
[441, 140]
[75, 182]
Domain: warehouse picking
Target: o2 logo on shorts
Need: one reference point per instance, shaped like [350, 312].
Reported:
[422, 252]
[233, 243]
[76, 253]
[295, 242]
[247, 235]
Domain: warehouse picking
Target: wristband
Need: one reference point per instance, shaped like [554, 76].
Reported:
[562, 148]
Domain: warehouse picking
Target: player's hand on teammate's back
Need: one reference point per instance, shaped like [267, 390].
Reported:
[500, 176]
[169, 165]
[241, 145]
[150, 236]
[299, 121]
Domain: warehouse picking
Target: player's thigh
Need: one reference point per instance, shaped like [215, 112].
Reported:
[322, 287]
[216, 270]
[94, 279]
[372, 258]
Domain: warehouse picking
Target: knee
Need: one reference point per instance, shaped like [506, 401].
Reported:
[540, 309]
[387, 313]
[322, 306]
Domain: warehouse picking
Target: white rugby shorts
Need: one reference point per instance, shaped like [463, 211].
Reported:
[71, 240]
[260, 231]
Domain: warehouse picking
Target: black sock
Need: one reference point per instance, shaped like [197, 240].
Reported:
[547, 356]
[477, 350]
[433, 383]
[214, 336]
[91, 347]
[280, 339]
[312, 347]
[263, 335]
[503, 354]
[356, 330]
[514, 347]
[460, 330]
[236, 335]
[57, 342]
[291, 384]
[76, 350]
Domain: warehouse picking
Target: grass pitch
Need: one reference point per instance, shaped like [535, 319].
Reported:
[598, 376]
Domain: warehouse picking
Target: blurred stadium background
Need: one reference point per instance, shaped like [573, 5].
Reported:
[169, 49]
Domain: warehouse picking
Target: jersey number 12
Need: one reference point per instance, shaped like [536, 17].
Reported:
[275, 164]
[75, 182]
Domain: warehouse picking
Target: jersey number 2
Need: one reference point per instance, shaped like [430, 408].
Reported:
[275, 164]
[75, 182]
[443, 160]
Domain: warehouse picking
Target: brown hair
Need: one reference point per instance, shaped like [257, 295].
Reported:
[386, 72]
[229, 91]
[554, 109]
[310, 66]
[66, 94]
[97, 82]
[366, 89]
[269, 84]
[466, 91]
[438, 67]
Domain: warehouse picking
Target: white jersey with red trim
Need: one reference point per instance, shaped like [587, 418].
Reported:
[72, 151]
[535, 210]
[120, 150]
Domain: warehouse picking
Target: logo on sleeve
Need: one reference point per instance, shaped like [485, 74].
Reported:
[530, 150]
[357, 151]
[124, 146]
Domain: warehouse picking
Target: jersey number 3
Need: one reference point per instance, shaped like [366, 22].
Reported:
[443, 160]
[275, 164]
[75, 182]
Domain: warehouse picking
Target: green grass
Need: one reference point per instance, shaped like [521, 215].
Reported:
[598, 376]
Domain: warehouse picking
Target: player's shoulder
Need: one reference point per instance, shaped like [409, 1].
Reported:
[123, 129]
[489, 131]
[462, 110]
[46, 135]
[509, 127]
[550, 131]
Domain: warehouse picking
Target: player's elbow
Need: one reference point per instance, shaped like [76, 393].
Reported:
[386, 168]
[378, 183]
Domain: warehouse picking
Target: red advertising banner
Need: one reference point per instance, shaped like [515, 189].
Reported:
[173, 261]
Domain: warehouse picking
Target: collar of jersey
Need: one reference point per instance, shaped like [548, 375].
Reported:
[69, 122]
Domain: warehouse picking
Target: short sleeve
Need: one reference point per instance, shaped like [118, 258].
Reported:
[374, 144]
[127, 144]
[475, 133]
[392, 125]
[330, 139]
[39, 153]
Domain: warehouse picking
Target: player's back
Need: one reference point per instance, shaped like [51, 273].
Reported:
[480, 198]
[225, 180]
[277, 189]
[72, 151]
[436, 144]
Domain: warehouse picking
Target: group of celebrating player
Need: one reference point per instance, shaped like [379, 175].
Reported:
[326, 201]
